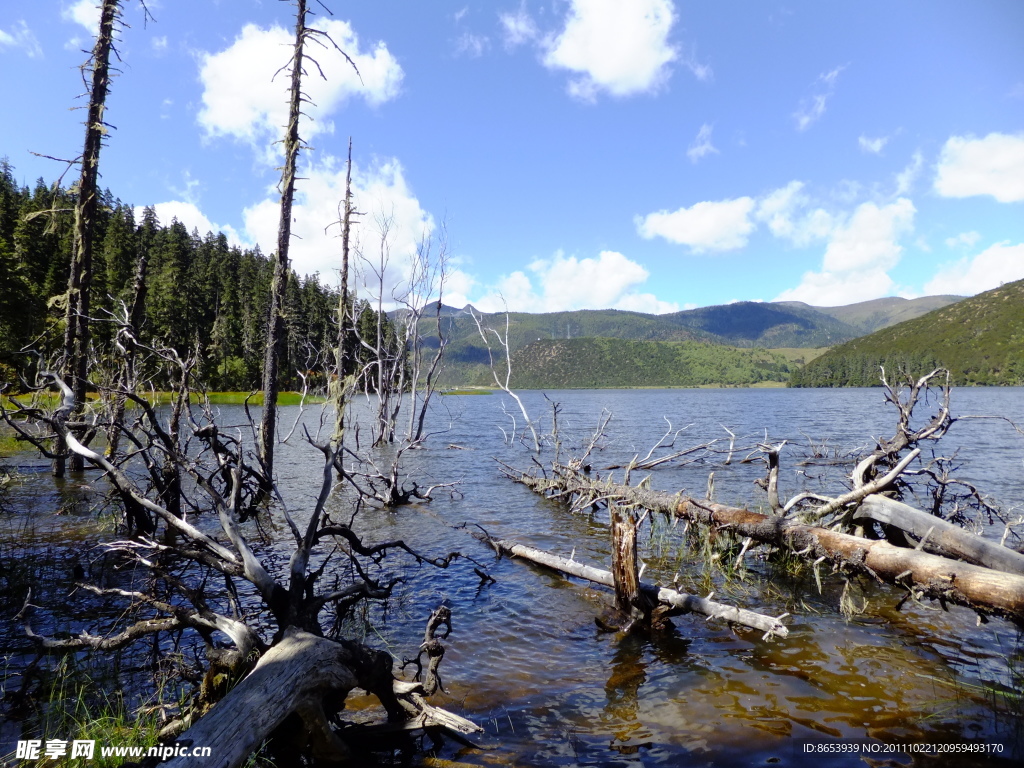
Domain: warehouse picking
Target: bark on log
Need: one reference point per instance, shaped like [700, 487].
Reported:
[295, 676]
[679, 600]
[626, 580]
[941, 537]
[985, 590]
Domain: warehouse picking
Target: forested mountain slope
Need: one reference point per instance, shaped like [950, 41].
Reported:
[980, 340]
[202, 295]
[602, 362]
[760, 324]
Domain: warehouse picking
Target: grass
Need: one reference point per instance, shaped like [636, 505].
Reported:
[77, 708]
[8, 444]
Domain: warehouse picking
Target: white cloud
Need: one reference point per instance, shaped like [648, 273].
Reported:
[83, 12]
[829, 289]
[242, 98]
[963, 240]
[518, 28]
[905, 179]
[457, 287]
[384, 196]
[20, 36]
[722, 225]
[787, 212]
[381, 192]
[159, 44]
[993, 166]
[472, 45]
[872, 146]
[618, 47]
[566, 283]
[812, 108]
[871, 238]
[997, 264]
[702, 72]
[701, 146]
[860, 253]
[649, 304]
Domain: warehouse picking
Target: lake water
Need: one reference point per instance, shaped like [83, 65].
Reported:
[526, 660]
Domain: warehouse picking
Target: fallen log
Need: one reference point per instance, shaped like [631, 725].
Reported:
[939, 536]
[679, 600]
[296, 675]
[925, 575]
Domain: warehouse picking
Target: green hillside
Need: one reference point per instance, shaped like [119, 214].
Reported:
[743, 324]
[603, 362]
[760, 324]
[980, 340]
[870, 316]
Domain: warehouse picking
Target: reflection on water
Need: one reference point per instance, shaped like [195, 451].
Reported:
[526, 661]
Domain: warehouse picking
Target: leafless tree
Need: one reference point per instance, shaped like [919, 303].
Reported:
[331, 569]
[503, 382]
[292, 143]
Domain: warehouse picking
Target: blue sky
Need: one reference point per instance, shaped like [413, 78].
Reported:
[639, 154]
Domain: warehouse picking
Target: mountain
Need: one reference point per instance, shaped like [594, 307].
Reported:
[587, 363]
[745, 324]
[870, 316]
[760, 324]
[980, 340]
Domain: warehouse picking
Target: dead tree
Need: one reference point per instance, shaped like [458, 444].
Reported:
[965, 569]
[503, 382]
[396, 372]
[292, 143]
[343, 382]
[126, 344]
[671, 601]
[295, 670]
[76, 314]
[383, 341]
[425, 284]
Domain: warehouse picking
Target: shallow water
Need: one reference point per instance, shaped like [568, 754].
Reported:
[525, 659]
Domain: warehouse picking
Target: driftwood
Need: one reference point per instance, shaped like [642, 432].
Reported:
[298, 675]
[681, 601]
[986, 590]
[941, 537]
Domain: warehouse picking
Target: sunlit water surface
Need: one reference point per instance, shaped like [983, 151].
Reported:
[526, 660]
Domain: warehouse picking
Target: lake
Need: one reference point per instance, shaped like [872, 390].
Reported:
[526, 660]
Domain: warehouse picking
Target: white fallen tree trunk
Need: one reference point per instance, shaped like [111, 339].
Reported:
[986, 590]
[941, 537]
[670, 597]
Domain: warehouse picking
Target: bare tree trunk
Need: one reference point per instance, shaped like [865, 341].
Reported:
[924, 575]
[127, 341]
[428, 384]
[76, 331]
[345, 354]
[679, 600]
[504, 386]
[624, 568]
[938, 536]
[275, 323]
